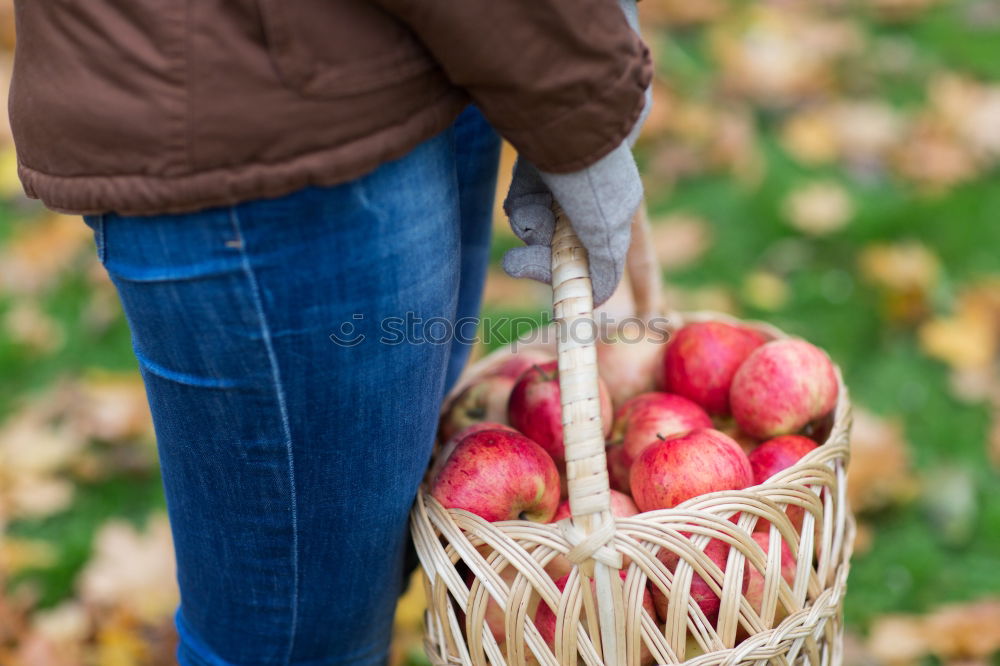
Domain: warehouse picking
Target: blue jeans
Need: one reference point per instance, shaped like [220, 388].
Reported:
[289, 459]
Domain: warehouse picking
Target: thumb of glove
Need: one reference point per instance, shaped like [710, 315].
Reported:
[531, 261]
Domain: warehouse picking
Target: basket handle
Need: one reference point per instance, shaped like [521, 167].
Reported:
[592, 526]
[573, 306]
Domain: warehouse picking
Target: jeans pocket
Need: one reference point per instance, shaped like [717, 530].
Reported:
[96, 222]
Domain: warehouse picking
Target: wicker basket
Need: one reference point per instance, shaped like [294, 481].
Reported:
[609, 625]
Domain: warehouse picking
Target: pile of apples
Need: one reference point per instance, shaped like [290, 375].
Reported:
[718, 407]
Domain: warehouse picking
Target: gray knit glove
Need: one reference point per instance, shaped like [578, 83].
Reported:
[599, 202]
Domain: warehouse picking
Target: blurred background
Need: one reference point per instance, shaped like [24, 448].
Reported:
[829, 166]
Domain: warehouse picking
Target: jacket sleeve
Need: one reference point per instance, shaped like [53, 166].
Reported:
[562, 80]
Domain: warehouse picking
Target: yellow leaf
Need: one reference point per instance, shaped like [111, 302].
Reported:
[810, 137]
[880, 472]
[27, 324]
[967, 631]
[119, 644]
[765, 291]
[40, 251]
[132, 570]
[18, 554]
[964, 341]
[901, 266]
[680, 239]
[112, 407]
[818, 208]
[897, 639]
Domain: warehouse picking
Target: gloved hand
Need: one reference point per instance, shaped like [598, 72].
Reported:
[599, 202]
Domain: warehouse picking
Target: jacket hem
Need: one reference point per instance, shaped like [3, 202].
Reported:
[140, 195]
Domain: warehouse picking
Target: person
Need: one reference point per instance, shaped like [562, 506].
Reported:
[269, 182]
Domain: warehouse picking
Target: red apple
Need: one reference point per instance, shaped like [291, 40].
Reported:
[618, 467]
[701, 360]
[755, 587]
[685, 466]
[629, 363]
[485, 399]
[781, 387]
[534, 408]
[773, 456]
[777, 454]
[446, 449]
[545, 617]
[499, 475]
[645, 418]
[707, 600]
[516, 364]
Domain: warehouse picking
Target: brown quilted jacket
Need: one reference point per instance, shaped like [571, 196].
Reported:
[156, 106]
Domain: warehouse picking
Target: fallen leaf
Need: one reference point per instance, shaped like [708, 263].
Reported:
[906, 272]
[934, 155]
[810, 137]
[867, 130]
[112, 407]
[973, 384]
[818, 208]
[132, 570]
[778, 55]
[902, 266]
[26, 324]
[966, 631]
[880, 472]
[40, 251]
[897, 639]
[765, 291]
[67, 623]
[18, 554]
[680, 239]
[119, 643]
[969, 338]
[34, 453]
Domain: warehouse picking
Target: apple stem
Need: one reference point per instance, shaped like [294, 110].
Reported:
[661, 437]
[539, 370]
[523, 515]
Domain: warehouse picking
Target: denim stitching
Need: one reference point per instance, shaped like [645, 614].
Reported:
[283, 409]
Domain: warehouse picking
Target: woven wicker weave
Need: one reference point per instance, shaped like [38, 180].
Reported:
[609, 625]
